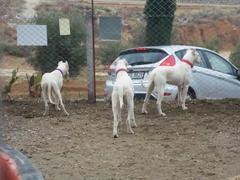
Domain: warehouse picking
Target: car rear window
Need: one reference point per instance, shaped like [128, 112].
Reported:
[147, 56]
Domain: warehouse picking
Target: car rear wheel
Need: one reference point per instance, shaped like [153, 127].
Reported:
[191, 94]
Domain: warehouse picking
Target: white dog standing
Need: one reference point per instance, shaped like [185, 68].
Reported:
[51, 85]
[179, 75]
[123, 87]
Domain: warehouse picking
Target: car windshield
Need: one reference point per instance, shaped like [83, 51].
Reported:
[138, 58]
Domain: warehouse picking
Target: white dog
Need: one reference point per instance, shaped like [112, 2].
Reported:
[51, 85]
[123, 87]
[179, 75]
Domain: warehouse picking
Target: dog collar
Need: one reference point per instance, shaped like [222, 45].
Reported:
[121, 69]
[60, 71]
[187, 62]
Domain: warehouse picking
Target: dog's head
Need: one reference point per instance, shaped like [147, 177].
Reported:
[120, 63]
[193, 56]
[64, 67]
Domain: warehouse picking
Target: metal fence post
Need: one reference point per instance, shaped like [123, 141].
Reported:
[90, 48]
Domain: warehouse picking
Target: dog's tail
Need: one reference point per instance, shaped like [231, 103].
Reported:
[50, 93]
[150, 86]
[120, 96]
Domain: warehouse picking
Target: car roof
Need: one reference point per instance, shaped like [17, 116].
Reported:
[168, 48]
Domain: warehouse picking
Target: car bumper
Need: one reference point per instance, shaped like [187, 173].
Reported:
[140, 88]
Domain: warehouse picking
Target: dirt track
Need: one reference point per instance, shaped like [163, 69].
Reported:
[201, 143]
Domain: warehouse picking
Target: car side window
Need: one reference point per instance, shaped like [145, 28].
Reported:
[218, 63]
[181, 53]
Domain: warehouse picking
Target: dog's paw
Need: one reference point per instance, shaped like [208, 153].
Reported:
[162, 114]
[57, 108]
[115, 135]
[144, 112]
[130, 131]
[185, 108]
[134, 125]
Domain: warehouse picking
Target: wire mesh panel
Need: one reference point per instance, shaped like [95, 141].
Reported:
[35, 37]
[209, 24]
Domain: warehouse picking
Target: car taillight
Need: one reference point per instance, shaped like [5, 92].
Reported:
[167, 94]
[170, 61]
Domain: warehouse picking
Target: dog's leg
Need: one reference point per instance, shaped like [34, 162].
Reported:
[147, 97]
[116, 114]
[131, 118]
[59, 96]
[56, 100]
[134, 124]
[44, 96]
[179, 95]
[119, 117]
[184, 95]
[160, 89]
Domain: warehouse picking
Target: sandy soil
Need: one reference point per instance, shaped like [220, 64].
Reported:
[200, 143]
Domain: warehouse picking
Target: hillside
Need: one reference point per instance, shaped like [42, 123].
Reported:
[202, 25]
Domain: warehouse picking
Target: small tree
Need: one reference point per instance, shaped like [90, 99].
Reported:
[8, 87]
[70, 47]
[159, 16]
[235, 56]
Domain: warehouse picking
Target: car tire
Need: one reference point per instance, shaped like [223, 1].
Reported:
[191, 94]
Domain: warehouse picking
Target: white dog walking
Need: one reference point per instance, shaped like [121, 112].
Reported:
[179, 75]
[123, 87]
[51, 85]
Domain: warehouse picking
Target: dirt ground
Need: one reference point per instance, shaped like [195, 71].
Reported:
[200, 143]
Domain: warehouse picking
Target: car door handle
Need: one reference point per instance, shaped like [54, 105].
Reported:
[220, 77]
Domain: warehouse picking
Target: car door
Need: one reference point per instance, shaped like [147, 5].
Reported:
[219, 79]
[198, 76]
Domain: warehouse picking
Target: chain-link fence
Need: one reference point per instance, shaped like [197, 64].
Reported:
[36, 35]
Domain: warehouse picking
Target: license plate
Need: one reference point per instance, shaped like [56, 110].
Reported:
[136, 75]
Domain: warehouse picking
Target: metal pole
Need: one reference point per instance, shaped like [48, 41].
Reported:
[93, 51]
[90, 50]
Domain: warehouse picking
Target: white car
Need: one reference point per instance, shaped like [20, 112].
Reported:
[215, 78]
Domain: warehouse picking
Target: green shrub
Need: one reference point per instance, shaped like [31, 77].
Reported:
[8, 87]
[108, 51]
[235, 56]
[13, 50]
[138, 34]
[213, 44]
[1, 50]
[69, 47]
[16, 51]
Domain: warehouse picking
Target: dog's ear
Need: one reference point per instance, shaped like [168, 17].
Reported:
[126, 63]
[67, 65]
[60, 62]
[193, 51]
[115, 61]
